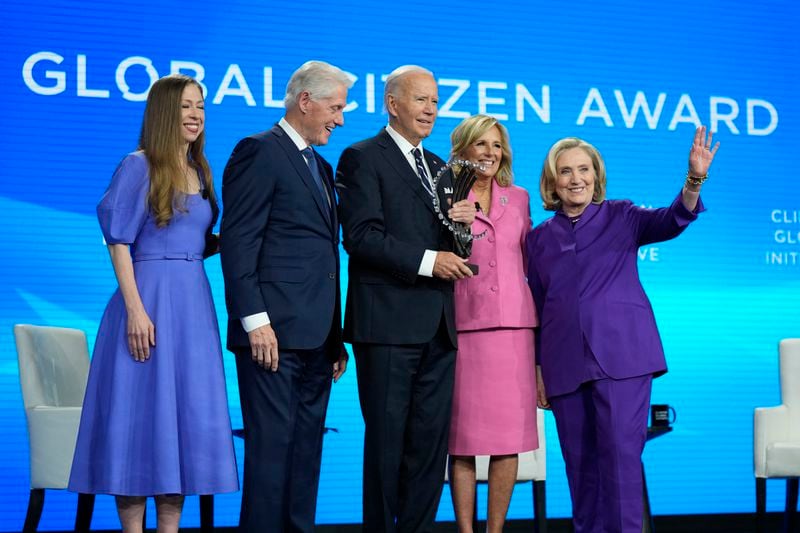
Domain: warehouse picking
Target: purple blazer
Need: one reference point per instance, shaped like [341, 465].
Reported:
[585, 284]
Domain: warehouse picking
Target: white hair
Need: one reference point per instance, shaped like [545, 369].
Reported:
[318, 78]
[393, 84]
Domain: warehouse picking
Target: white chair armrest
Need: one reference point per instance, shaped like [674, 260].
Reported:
[770, 424]
[53, 432]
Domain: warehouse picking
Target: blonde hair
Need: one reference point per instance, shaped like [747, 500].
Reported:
[547, 182]
[161, 140]
[470, 130]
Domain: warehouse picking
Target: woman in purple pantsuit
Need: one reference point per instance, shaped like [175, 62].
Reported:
[155, 416]
[598, 347]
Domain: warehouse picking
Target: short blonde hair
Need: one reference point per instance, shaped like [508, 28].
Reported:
[547, 182]
[470, 130]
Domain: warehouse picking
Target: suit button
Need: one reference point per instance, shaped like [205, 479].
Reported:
[331, 275]
[494, 288]
[491, 239]
[492, 263]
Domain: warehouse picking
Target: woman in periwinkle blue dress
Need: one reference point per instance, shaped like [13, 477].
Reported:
[155, 417]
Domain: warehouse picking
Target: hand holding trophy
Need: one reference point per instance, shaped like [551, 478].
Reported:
[452, 184]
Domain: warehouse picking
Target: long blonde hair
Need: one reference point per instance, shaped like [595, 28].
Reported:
[161, 141]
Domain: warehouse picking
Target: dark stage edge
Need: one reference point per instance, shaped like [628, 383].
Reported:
[718, 523]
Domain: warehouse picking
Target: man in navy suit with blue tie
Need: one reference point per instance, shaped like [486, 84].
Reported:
[280, 260]
[399, 314]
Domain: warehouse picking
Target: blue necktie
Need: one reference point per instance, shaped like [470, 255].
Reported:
[423, 175]
[308, 153]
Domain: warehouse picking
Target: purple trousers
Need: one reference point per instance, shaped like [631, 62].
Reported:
[602, 427]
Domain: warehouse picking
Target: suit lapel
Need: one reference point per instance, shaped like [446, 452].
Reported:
[499, 200]
[397, 159]
[564, 233]
[301, 167]
[480, 215]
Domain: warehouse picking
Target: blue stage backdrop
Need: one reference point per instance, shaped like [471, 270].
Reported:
[633, 78]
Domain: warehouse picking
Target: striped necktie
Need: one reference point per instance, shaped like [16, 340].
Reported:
[423, 175]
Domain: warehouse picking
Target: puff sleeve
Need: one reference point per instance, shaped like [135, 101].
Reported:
[122, 210]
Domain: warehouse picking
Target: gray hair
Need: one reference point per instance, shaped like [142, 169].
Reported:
[393, 80]
[318, 78]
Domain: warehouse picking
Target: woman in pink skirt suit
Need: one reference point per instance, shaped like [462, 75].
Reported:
[494, 403]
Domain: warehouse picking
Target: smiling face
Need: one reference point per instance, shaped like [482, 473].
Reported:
[575, 179]
[413, 106]
[487, 151]
[321, 116]
[193, 113]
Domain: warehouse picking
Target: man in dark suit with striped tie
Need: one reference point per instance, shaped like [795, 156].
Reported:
[399, 312]
[280, 260]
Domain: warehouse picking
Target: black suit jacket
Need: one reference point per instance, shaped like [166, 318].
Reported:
[279, 244]
[388, 221]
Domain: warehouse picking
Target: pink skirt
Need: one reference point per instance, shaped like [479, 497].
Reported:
[494, 399]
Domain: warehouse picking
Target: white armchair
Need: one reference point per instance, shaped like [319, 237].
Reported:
[776, 437]
[53, 368]
[532, 467]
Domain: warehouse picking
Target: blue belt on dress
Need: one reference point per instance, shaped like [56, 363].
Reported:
[185, 256]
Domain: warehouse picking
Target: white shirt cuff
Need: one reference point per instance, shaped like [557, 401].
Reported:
[251, 322]
[426, 266]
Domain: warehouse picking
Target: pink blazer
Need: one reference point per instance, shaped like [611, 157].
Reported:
[498, 297]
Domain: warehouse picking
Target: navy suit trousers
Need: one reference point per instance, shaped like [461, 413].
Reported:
[284, 420]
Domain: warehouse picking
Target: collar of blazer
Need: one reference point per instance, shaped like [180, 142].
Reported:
[588, 214]
[299, 163]
[501, 196]
[566, 235]
[398, 160]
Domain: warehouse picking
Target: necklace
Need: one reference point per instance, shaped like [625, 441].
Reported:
[191, 180]
[484, 197]
[485, 201]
